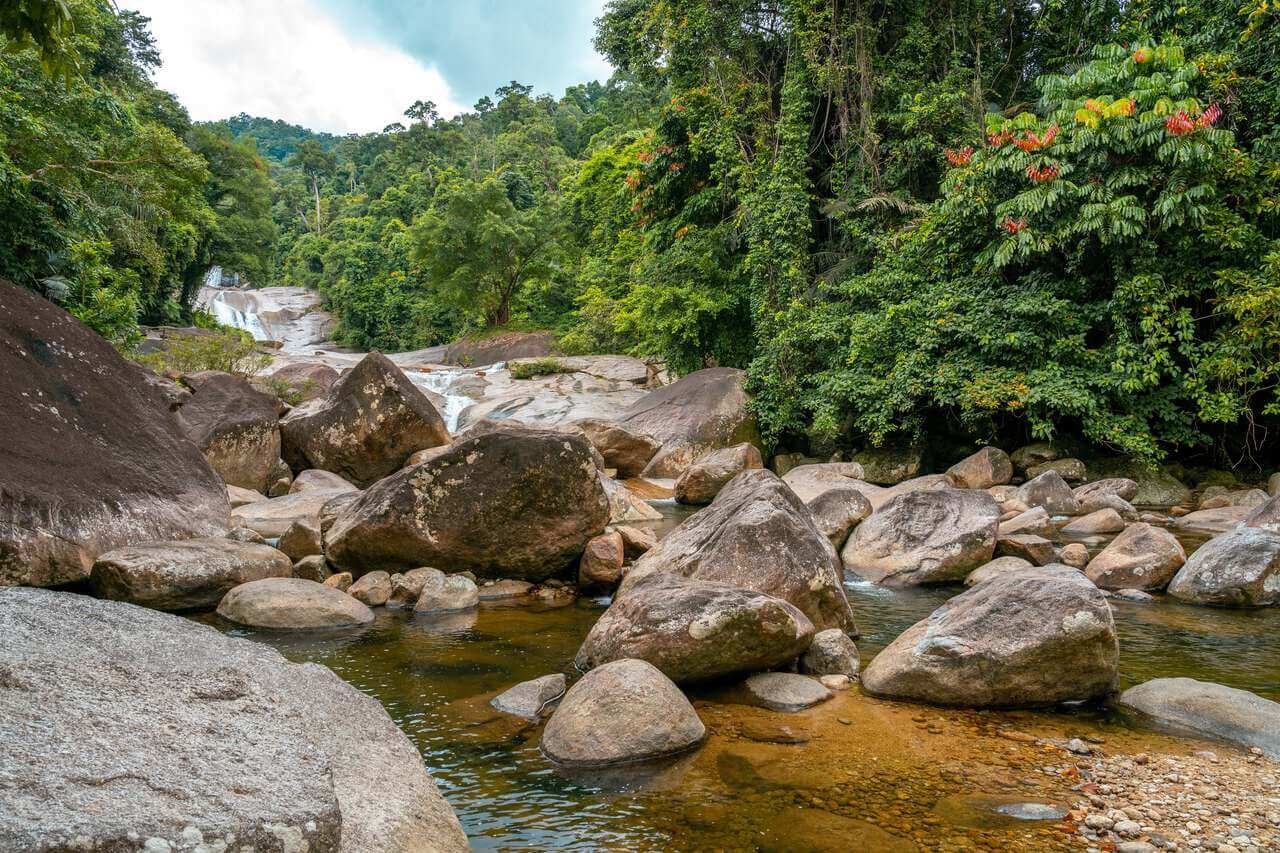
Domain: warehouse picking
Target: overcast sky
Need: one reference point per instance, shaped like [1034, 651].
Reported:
[354, 65]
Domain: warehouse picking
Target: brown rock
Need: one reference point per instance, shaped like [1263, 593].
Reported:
[811, 481]
[837, 511]
[703, 480]
[312, 568]
[1121, 487]
[1031, 522]
[406, 587]
[340, 581]
[622, 448]
[1101, 521]
[272, 518]
[372, 589]
[989, 467]
[188, 575]
[636, 541]
[1074, 555]
[443, 593]
[302, 539]
[300, 382]
[997, 567]
[601, 563]
[315, 480]
[234, 425]
[1034, 549]
[1142, 557]
[293, 604]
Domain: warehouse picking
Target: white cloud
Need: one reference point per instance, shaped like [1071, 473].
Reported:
[286, 59]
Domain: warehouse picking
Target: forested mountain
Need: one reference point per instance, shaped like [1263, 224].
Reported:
[903, 218]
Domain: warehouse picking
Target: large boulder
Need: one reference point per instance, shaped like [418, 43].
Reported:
[186, 575]
[623, 712]
[91, 458]
[756, 535]
[1237, 569]
[989, 467]
[1028, 638]
[888, 466]
[364, 429]
[694, 631]
[292, 604]
[703, 411]
[1121, 487]
[235, 426]
[188, 734]
[810, 481]
[1211, 522]
[504, 346]
[513, 502]
[1143, 557]
[836, 512]
[302, 381]
[1156, 486]
[624, 449]
[1051, 492]
[1210, 710]
[703, 480]
[1096, 523]
[924, 537]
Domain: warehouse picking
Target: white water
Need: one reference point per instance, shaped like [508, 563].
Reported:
[441, 381]
[229, 315]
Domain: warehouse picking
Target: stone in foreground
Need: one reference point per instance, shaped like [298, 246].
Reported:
[1023, 639]
[1142, 557]
[1208, 710]
[703, 480]
[623, 712]
[695, 631]
[831, 653]
[530, 699]
[185, 731]
[786, 691]
[1237, 569]
[292, 604]
[191, 574]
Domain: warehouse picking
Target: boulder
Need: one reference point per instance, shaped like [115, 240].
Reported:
[1033, 549]
[703, 411]
[695, 631]
[1074, 555]
[1142, 557]
[406, 587]
[888, 466]
[707, 475]
[1071, 470]
[302, 381]
[924, 537]
[515, 502]
[244, 534]
[1273, 484]
[372, 589]
[623, 449]
[989, 467]
[341, 581]
[784, 462]
[292, 604]
[601, 563]
[281, 479]
[235, 426]
[302, 539]
[191, 574]
[786, 691]
[837, 511]
[1237, 569]
[1210, 710]
[505, 590]
[1095, 502]
[240, 497]
[636, 541]
[811, 481]
[443, 593]
[531, 699]
[315, 480]
[1031, 522]
[505, 346]
[1121, 487]
[272, 518]
[187, 734]
[370, 422]
[1033, 454]
[1022, 639]
[619, 713]
[624, 504]
[831, 653]
[996, 568]
[1211, 522]
[91, 458]
[1050, 491]
[313, 568]
[1266, 517]
[1156, 486]
[1096, 523]
[756, 535]
[1216, 497]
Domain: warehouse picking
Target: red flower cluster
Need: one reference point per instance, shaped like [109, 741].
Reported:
[1042, 175]
[1141, 55]
[1013, 226]
[995, 140]
[1034, 142]
[1181, 123]
[961, 157]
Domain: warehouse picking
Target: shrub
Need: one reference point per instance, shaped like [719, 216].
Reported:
[229, 350]
[538, 367]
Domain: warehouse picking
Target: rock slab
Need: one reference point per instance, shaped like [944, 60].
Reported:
[191, 574]
[1209, 710]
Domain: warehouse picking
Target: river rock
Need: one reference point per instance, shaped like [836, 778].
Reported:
[888, 466]
[1034, 549]
[989, 467]
[273, 517]
[505, 590]
[1142, 557]
[623, 712]
[1095, 523]
[694, 631]
[187, 733]
[996, 568]
[492, 348]
[1211, 522]
[1237, 569]
[831, 653]
[302, 539]
[707, 475]
[515, 502]
[292, 604]
[601, 563]
[370, 422]
[372, 589]
[234, 425]
[1211, 710]
[187, 575]
[756, 535]
[314, 479]
[1030, 522]
[1266, 517]
[406, 587]
[302, 381]
[1156, 486]
[244, 534]
[924, 537]
[1121, 487]
[240, 497]
[623, 449]
[786, 691]
[1096, 502]
[1022, 639]
[341, 581]
[531, 699]
[91, 458]
[1050, 491]
[443, 593]
[1071, 470]
[1074, 555]
[1216, 497]
[703, 411]
[624, 504]
[1036, 453]
[812, 481]
[313, 568]
[837, 511]
[636, 541]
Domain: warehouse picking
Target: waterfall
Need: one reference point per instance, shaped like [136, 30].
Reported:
[440, 381]
[229, 315]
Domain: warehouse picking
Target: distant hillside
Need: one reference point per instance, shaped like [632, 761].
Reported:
[277, 139]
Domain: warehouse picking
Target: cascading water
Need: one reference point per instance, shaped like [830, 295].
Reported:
[441, 381]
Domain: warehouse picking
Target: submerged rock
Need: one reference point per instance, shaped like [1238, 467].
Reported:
[235, 426]
[292, 604]
[708, 474]
[625, 711]
[1142, 557]
[530, 699]
[786, 691]
[1237, 569]
[989, 467]
[193, 731]
[186, 575]
[1208, 710]
[1022, 639]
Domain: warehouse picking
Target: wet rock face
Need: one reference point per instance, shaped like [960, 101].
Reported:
[234, 425]
[703, 480]
[91, 458]
[193, 729]
[694, 631]
[1142, 557]
[1237, 569]
[1022, 639]
[1208, 710]
[293, 604]
[622, 712]
[187, 575]
[364, 429]
[756, 535]
[703, 411]
[514, 502]
[623, 449]
[924, 537]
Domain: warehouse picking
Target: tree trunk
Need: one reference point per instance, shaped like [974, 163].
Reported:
[315, 188]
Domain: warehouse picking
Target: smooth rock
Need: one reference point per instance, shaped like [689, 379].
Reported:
[1034, 549]
[837, 511]
[314, 479]
[989, 467]
[187, 575]
[1236, 569]
[292, 604]
[1212, 521]
[505, 590]
[622, 448]
[636, 541]
[531, 699]
[1074, 555]
[1071, 470]
[447, 593]
[235, 426]
[708, 474]
[372, 589]
[786, 691]
[312, 568]
[601, 563]
[1121, 487]
[1030, 522]
[1142, 557]
[831, 653]
[1208, 710]
[406, 587]
[272, 518]
[1095, 523]
[241, 497]
[1216, 497]
[1050, 491]
[302, 539]
[996, 568]
[1096, 502]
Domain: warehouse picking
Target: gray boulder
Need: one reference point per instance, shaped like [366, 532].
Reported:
[707, 475]
[831, 653]
[292, 604]
[189, 734]
[1050, 491]
[1142, 557]
[191, 574]
[623, 449]
[989, 467]
[786, 691]
[1022, 639]
[620, 713]
[530, 699]
[1121, 487]
[924, 537]
[272, 518]
[837, 511]
[1237, 569]
[1216, 497]
[1071, 470]
[447, 593]
[235, 426]
[1208, 710]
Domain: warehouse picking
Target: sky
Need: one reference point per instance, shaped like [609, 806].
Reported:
[353, 66]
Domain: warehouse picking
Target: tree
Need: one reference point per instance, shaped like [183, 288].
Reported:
[315, 163]
[423, 111]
